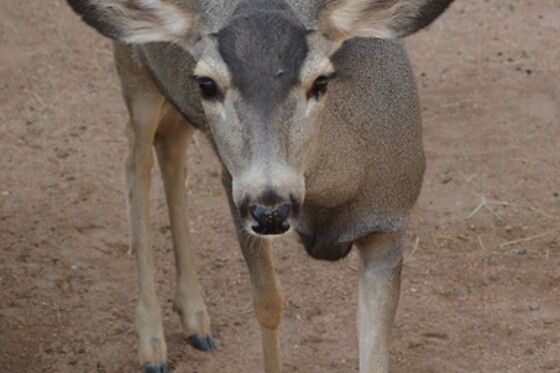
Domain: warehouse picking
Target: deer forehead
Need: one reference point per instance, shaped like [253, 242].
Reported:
[263, 55]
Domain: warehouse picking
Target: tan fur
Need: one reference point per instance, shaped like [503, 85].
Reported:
[352, 160]
[267, 297]
[154, 122]
[378, 295]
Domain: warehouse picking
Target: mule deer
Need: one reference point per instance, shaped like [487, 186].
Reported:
[341, 168]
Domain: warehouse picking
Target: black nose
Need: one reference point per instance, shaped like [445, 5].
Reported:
[271, 220]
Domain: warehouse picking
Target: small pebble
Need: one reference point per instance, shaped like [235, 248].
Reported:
[61, 153]
[534, 306]
[518, 251]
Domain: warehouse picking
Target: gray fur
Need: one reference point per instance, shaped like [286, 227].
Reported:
[369, 169]
[264, 50]
[375, 146]
[369, 163]
[344, 165]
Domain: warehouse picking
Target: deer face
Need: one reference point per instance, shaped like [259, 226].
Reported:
[262, 84]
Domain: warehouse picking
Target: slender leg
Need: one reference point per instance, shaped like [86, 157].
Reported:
[267, 294]
[171, 142]
[378, 295]
[267, 298]
[144, 118]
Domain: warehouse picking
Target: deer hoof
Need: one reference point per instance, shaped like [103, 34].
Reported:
[201, 342]
[156, 368]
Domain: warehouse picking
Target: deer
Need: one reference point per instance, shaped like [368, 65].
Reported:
[312, 110]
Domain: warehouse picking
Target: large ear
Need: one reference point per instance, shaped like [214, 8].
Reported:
[138, 21]
[344, 19]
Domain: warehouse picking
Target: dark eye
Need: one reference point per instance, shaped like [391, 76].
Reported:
[320, 86]
[208, 87]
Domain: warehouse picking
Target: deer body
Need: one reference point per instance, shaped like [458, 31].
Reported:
[341, 168]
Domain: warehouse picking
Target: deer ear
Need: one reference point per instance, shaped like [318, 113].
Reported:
[345, 19]
[137, 21]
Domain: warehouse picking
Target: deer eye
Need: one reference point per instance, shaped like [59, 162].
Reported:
[320, 86]
[208, 87]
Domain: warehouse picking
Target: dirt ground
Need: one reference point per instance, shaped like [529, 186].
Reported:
[481, 283]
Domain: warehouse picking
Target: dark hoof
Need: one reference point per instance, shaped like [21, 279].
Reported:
[156, 368]
[201, 342]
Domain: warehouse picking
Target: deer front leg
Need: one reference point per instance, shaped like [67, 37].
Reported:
[171, 142]
[267, 294]
[144, 117]
[267, 297]
[378, 295]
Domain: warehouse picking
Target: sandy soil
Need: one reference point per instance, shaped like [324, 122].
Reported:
[481, 291]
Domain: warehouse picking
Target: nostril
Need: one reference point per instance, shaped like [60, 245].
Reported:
[282, 212]
[266, 214]
[258, 212]
[273, 220]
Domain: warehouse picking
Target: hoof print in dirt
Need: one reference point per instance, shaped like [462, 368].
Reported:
[155, 368]
[201, 342]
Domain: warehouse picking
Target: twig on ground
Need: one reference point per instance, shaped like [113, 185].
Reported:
[515, 205]
[55, 307]
[409, 256]
[480, 243]
[459, 237]
[523, 240]
[483, 203]
[37, 98]
[540, 212]
[475, 211]
[245, 311]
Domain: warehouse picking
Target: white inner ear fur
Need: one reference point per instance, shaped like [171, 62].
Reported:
[150, 21]
[365, 18]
